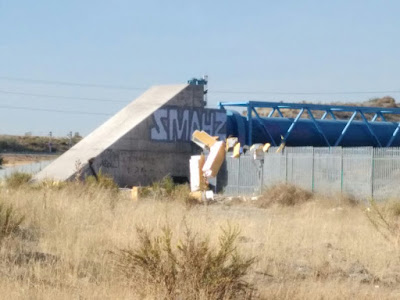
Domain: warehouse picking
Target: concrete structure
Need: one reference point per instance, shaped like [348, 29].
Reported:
[145, 141]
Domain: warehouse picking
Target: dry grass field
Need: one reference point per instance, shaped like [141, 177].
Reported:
[81, 241]
[35, 144]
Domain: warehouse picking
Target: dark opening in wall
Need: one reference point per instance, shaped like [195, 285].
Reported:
[180, 179]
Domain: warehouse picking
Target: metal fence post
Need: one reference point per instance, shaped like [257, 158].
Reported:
[312, 170]
[341, 170]
[372, 172]
[262, 174]
[286, 166]
[238, 179]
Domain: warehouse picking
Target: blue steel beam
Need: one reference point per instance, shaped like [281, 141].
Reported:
[271, 113]
[279, 112]
[241, 127]
[250, 120]
[292, 125]
[258, 118]
[396, 131]
[321, 107]
[377, 115]
[370, 129]
[379, 112]
[382, 116]
[326, 113]
[318, 127]
[345, 129]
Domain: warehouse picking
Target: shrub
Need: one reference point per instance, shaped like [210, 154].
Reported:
[51, 184]
[9, 221]
[166, 189]
[189, 269]
[182, 193]
[103, 181]
[18, 179]
[347, 200]
[163, 188]
[338, 198]
[393, 208]
[1, 161]
[283, 194]
[385, 220]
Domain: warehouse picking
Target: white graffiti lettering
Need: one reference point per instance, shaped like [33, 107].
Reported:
[158, 131]
[177, 124]
[194, 124]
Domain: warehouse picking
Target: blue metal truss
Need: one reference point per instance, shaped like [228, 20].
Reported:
[379, 112]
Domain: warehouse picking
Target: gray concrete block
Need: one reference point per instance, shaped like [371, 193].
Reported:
[146, 140]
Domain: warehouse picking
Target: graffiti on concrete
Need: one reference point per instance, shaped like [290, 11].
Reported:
[177, 124]
[110, 159]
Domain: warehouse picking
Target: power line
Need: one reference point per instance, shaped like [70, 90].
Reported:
[122, 87]
[303, 93]
[61, 97]
[54, 110]
[67, 83]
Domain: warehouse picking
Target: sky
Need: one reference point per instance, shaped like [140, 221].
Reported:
[62, 59]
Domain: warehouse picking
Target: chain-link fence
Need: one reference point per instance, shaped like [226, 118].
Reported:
[364, 172]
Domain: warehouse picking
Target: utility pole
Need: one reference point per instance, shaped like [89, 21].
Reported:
[70, 138]
[50, 141]
[205, 80]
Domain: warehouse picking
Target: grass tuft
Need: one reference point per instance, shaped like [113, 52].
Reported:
[9, 220]
[103, 180]
[163, 188]
[393, 208]
[18, 179]
[166, 189]
[285, 195]
[188, 269]
[384, 218]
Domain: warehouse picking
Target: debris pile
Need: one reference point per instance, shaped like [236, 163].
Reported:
[206, 166]
[203, 168]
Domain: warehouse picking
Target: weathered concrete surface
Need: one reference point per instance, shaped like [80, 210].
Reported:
[145, 141]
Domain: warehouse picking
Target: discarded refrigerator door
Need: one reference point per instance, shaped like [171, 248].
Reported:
[203, 139]
[214, 160]
[197, 181]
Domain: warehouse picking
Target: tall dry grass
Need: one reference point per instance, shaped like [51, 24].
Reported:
[65, 246]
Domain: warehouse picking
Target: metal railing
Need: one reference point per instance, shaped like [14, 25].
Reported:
[378, 113]
[363, 172]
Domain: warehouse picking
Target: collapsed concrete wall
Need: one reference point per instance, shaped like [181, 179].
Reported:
[145, 141]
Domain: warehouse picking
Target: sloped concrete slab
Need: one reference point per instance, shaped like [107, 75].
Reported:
[145, 141]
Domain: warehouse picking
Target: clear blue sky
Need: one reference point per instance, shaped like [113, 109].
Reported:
[255, 46]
